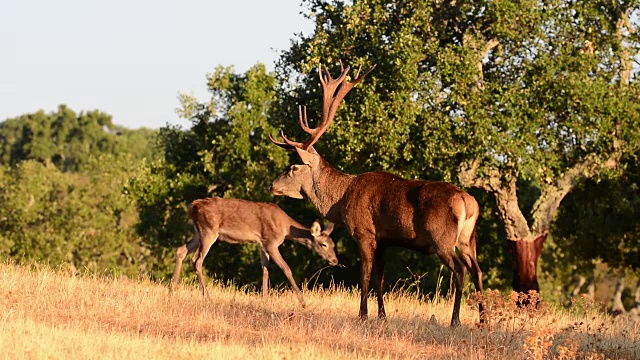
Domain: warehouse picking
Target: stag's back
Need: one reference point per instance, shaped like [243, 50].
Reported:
[409, 212]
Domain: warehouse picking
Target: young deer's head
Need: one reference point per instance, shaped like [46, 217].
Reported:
[299, 178]
[322, 244]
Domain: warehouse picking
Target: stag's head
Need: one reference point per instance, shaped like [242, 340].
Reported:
[322, 244]
[299, 178]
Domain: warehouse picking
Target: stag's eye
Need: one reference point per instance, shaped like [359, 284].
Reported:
[323, 245]
[295, 168]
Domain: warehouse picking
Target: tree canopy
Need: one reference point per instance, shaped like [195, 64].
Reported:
[68, 140]
[62, 177]
[462, 91]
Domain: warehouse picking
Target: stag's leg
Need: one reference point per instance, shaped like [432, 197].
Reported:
[470, 260]
[367, 250]
[264, 261]
[277, 258]
[182, 253]
[207, 239]
[378, 277]
[471, 263]
[451, 260]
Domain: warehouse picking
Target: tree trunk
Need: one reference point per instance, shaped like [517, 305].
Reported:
[525, 242]
[618, 306]
[525, 261]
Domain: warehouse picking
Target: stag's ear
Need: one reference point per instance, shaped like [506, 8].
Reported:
[315, 229]
[308, 158]
[328, 229]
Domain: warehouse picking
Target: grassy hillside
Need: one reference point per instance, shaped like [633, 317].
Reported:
[54, 314]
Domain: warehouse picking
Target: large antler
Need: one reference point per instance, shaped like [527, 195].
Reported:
[330, 104]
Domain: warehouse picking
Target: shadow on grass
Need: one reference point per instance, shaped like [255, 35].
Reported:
[510, 332]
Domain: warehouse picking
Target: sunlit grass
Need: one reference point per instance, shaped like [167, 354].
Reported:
[54, 314]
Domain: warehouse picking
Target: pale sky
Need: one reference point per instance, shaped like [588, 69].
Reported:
[131, 58]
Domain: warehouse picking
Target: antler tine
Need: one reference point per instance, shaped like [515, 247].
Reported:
[360, 78]
[358, 72]
[322, 80]
[292, 143]
[328, 75]
[304, 123]
[281, 144]
[287, 144]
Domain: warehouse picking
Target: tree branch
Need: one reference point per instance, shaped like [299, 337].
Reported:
[490, 45]
[625, 58]
[545, 208]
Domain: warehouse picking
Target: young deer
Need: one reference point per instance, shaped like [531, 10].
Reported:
[241, 222]
[380, 209]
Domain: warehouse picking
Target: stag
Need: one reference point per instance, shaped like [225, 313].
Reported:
[241, 222]
[379, 209]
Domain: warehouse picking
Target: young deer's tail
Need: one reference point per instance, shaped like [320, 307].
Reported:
[192, 210]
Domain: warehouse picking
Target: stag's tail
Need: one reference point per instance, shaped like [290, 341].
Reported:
[467, 216]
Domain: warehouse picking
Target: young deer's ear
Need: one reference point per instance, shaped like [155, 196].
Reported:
[315, 229]
[328, 229]
[308, 158]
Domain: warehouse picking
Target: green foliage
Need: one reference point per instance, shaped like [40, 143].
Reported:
[68, 140]
[77, 218]
[599, 222]
[61, 181]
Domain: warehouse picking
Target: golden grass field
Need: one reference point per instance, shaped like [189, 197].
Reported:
[52, 314]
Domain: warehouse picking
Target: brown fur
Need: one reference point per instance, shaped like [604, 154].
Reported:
[239, 222]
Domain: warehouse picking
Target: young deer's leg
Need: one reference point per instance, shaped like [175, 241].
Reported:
[206, 240]
[264, 261]
[181, 254]
[451, 260]
[378, 280]
[277, 258]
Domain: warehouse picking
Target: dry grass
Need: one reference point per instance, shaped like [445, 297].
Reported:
[51, 314]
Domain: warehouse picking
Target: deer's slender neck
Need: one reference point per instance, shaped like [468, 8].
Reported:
[329, 187]
[299, 234]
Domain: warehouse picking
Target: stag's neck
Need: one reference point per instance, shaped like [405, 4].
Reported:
[299, 233]
[329, 188]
